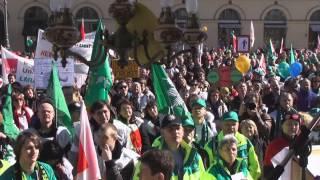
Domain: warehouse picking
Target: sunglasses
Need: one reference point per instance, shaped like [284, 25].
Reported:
[293, 117]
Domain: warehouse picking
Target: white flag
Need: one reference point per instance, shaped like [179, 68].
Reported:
[252, 38]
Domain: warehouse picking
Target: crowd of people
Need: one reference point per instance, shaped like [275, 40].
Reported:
[233, 132]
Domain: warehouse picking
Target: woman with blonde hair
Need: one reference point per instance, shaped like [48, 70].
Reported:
[249, 129]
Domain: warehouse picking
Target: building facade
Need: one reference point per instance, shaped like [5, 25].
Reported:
[296, 21]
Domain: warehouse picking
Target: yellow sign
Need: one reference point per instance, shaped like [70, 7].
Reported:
[131, 70]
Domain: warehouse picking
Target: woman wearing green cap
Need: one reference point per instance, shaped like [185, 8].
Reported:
[188, 137]
[230, 125]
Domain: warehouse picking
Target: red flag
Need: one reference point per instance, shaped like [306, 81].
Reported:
[234, 42]
[87, 167]
[83, 34]
[318, 44]
[281, 46]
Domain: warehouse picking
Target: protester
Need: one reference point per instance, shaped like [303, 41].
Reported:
[45, 124]
[27, 151]
[156, 165]
[228, 165]
[245, 148]
[290, 128]
[21, 112]
[115, 161]
[150, 128]
[187, 165]
[53, 155]
[204, 129]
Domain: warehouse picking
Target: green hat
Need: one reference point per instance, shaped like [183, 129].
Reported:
[230, 116]
[188, 122]
[200, 102]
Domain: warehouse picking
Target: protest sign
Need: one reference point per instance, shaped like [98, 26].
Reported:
[42, 70]
[224, 76]
[44, 47]
[131, 70]
[21, 67]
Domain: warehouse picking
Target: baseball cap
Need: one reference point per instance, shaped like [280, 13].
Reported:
[188, 122]
[230, 116]
[200, 102]
[170, 120]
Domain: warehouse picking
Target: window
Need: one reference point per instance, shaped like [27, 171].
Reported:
[314, 29]
[181, 16]
[35, 18]
[90, 17]
[229, 20]
[275, 27]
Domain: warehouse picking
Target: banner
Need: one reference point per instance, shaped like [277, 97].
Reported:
[21, 67]
[44, 47]
[42, 71]
[224, 76]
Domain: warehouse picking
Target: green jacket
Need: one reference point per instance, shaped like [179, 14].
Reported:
[245, 151]
[45, 169]
[220, 172]
[192, 163]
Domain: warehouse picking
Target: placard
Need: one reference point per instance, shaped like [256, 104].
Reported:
[42, 72]
[131, 70]
[243, 44]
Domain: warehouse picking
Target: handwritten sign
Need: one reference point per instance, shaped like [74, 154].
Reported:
[131, 70]
[43, 69]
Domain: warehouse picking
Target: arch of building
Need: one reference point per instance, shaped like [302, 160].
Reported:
[26, 6]
[237, 8]
[283, 9]
[89, 5]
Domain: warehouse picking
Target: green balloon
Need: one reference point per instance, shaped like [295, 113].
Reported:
[236, 76]
[213, 76]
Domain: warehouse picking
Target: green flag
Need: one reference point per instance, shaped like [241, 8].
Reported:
[100, 81]
[169, 100]
[292, 59]
[8, 127]
[54, 91]
[29, 41]
[271, 51]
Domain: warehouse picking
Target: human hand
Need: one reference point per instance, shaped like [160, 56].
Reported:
[106, 153]
[2, 135]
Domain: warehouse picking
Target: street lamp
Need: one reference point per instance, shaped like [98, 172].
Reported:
[6, 35]
[63, 34]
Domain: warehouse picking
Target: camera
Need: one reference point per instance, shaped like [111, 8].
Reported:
[251, 105]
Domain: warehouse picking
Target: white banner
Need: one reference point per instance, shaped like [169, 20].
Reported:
[44, 47]
[21, 67]
[42, 71]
